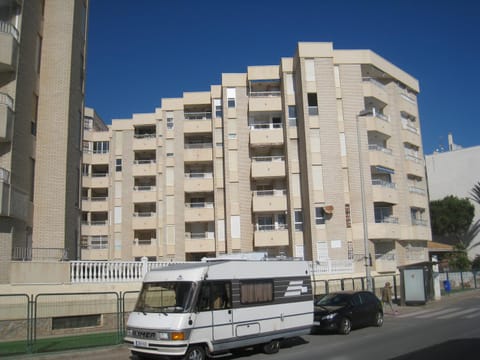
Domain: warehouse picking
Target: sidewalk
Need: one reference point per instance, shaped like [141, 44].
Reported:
[445, 300]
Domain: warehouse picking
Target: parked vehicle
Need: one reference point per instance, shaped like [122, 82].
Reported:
[343, 311]
[205, 309]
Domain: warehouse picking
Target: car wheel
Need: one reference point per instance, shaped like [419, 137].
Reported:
[271, 347]
[195, 352]
[345, 326]
[378, 321]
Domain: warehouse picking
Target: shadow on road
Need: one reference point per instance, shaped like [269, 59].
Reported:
[452, 349]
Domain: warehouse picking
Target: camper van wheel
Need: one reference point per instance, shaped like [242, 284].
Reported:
[271, 347]
[195, 352]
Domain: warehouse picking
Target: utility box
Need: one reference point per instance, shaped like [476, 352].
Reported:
[416, 283]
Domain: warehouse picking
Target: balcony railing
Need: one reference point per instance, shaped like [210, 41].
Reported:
[9, 29]
[198, 175]
[268, 158]
[5, 99]
[270, 192]
[374, 112]
[199, 205]
[419, 222]
[144, 214]
[386, 220]
[144, 188]
[205, 145]
[200, 235]
[270, 227]
[145, 136]
[383, 183]
[331, 267]
[95, 222]
[409, 127]
[99, 175]
[374, 81]
[268, 126]
[414, 158]
[417, 190]
[205, 115]
[270, 93]
[4, 175]
[143, 162]
[375, 147]
[408, 96]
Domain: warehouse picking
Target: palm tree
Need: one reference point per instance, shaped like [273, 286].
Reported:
[474, 229]
[475, 193]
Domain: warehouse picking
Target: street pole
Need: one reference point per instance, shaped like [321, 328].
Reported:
[368, 275]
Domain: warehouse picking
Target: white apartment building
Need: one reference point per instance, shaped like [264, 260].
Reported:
[42, 53]
[269, 160]
[454, 172]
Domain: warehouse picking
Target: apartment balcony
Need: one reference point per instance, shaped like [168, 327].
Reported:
[418, 230]
[144, 220]
[384, 191]
[268, 166]
[199, 242]
[381, 156]
[96, 180]
[379, 123]
[4, 192]
[95, 228]
[386, 227]
[144, 142]
[142, 194]
[374, 88]
[414, 165]
[198, 182]
[96, 157]
[385, 262]
[265, 100]
[417, 197]
[408, 101]
[197, 122]
[198, 152]
[199, 212]
[270, 235]
[269, 200]
[8, 46]
[266, 134]
[6, 117]
[144, 167]
[95, 204]
[411, 134]
[144, 247]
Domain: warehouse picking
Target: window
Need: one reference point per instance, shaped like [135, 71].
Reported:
[87, 146]
[85, 169]
[87, 123]
[231, 97]
[257, 291]
[170, 123]
[218, 107]
[348, 216]
[99, 242]
[319, 216]
[350, 250]
[215, 296]
[312, 104]
[118, 164]
[298, 220]
[100, 147]
[292, 115]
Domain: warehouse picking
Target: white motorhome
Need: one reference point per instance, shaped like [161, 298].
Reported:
[194, 310]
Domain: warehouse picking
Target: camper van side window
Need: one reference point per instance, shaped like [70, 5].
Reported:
[257, 291]
[215, 296]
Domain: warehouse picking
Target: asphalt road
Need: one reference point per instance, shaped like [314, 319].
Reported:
[440, 330]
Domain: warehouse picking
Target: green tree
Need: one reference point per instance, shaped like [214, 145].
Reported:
[451, 218]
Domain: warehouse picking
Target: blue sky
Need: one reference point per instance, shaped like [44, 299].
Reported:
[142, 51]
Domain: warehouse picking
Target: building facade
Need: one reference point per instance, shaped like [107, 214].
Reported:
[455, 172]
[42, 56]
[270, 160]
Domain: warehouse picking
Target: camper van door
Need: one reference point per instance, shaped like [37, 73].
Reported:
[215, 308]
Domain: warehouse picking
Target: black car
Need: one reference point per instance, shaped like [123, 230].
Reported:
[342, 311]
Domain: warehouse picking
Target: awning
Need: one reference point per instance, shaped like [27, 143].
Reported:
[385, 170]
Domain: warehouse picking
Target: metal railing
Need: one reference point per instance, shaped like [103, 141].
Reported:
[268, 126]
[39, 254]
[419, 222]
[5, 99]
[144, 162]
[276, 192]
[417, 190]
[383, 183]
[205, 145]
[375, 147]
[270, 93]
[8, 28]
[199, 175]
[268, 158]
[201, 115]
[199, 205]
[271, 227]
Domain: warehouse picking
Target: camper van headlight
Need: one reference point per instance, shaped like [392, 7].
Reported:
[163, 336]
[329, 316]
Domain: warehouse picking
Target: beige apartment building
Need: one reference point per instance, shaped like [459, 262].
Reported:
[268, 161]
[42, 53]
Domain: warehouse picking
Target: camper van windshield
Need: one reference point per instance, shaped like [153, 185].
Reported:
[165, 297]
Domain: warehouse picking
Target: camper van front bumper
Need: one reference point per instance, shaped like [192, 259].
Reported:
[155, 348]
